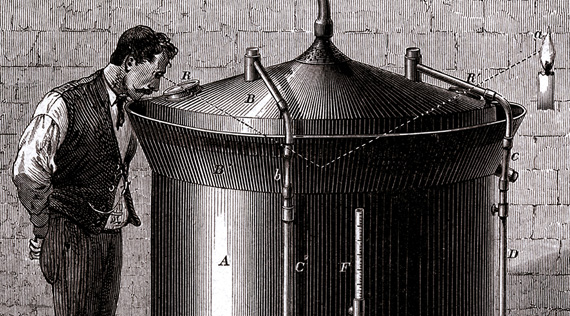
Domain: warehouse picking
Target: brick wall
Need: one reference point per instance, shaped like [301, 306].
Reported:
[46, 43]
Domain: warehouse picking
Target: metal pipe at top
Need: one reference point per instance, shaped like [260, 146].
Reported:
[489, 95]
[253, 70]
[504, 210]
[486, 93]
[504, 177]
[281, 103]
[324, 23]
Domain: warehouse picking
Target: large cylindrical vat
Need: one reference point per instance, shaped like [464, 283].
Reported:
[418, 161]
[216, 221]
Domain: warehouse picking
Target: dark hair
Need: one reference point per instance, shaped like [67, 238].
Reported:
[143, 44]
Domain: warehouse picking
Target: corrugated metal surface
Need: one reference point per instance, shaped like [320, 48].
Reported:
[332, 99]
[190, 275]
[389, 163]
[428, 251]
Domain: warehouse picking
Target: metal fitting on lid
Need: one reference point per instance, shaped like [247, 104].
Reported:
[183, 90]
[412, 59]
[251, 56]
[252, 52]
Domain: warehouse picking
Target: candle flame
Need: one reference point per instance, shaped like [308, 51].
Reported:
[547, 54]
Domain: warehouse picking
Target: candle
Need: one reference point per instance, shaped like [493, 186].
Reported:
[546, 77]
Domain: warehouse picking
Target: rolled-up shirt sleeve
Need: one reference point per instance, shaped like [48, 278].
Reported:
[34, 164]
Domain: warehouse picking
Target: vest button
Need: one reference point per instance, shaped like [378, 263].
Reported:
[112, 188]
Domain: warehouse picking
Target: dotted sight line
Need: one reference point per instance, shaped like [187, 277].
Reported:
[510, 67]
[429, 111]
[255, 130]
[249, 126]
[390, 131]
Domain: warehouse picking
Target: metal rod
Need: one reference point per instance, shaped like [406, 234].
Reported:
[504, 206]
[358, 303]
[453, 80]
[281, 103]
[253, 70]
[507, 145]
[324, 23]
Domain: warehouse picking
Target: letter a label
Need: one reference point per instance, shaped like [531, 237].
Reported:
[224, 262]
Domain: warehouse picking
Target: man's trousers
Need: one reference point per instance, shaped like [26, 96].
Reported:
[84, 269]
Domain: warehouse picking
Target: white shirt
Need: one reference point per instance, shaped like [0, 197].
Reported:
[35, 163]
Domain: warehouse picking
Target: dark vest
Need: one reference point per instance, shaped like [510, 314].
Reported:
[88, 162]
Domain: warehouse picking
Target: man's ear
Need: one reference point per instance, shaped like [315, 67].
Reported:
[129, 63]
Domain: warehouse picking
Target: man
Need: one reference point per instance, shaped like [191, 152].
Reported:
[71, 172]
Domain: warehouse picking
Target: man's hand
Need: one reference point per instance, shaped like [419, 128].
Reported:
[36, 248]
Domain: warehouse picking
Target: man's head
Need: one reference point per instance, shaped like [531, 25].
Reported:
[143, 55]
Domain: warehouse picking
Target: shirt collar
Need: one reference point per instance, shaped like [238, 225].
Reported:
[112, 78]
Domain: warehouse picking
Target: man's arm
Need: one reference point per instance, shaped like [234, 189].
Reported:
[34, 163]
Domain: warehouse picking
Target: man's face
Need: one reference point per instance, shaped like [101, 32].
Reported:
[144, 78]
